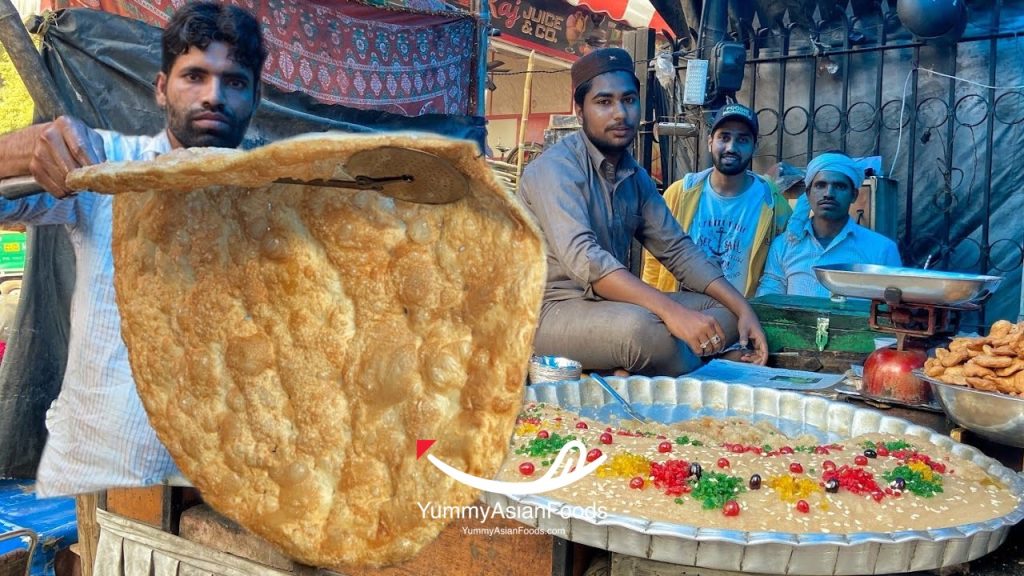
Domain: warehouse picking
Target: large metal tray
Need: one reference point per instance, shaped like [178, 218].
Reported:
[668, 400]
[914, 286]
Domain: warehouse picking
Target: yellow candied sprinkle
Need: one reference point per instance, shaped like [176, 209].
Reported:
[527, 429]
[625, 465]
[791, 489]
[923, 469]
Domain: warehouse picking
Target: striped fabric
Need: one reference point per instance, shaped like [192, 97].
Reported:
[99, 435]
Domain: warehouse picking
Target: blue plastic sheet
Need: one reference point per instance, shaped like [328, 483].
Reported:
[52, 519]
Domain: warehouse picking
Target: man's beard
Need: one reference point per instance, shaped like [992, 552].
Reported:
[738, 168]
[605, 146]
[190, 136]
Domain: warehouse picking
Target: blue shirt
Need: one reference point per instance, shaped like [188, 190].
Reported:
[795, 253]
[99, 434]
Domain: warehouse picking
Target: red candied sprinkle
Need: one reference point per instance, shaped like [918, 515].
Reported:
[671, 476]
[558, 418]
[938, 467]
[861, 460]
[636, 483]
[606, 438]
[882, 451]
[889, 491]
[796, 468]
[785, 450]
[828, 465]
[665, 447]
[608, 429]
[856, 480]
[530, 420]
[731, 508]
[593, 455]
[803, 507]
[543, 434]
[526, 468]
[900, 454]
[660, 437]
[582, 425]
[877, 496]
[723, 462]
[821, 450]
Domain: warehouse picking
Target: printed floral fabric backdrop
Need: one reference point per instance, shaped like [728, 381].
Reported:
[348, 53]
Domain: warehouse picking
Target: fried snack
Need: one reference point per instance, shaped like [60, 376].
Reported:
[291, 343]
[994, 363]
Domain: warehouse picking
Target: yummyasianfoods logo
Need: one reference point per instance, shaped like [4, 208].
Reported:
[509, 512]
[565, 469]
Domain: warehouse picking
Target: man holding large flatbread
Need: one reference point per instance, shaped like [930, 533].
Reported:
[209, 85]
[591, 200]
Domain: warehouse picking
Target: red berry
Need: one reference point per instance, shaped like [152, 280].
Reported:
[731, 508]
[877, 496]
[796, 468]
[636, 483]
[802, 506]
[821, 450]
[785, 450]
[882, 451]
[543, 434]
[526, 468]
[828, 465]
[665, 447]
[608, 429]
[660, 437]
[860, 460]
[593, 455]
[582, 425]
[606, 438]
[723, 463]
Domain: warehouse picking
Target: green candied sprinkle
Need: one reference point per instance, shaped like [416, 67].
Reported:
[683, 440]
[545, 463]
[807, 449]
[890, 446]
[678, 500]
[915, 481]
[697, 443]
[545, 446]
[714, 489]
[766, 448]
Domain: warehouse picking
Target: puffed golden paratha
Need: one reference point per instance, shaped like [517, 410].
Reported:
[291, 343]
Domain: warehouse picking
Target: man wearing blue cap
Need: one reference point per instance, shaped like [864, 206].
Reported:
[592, 201]
[731, 213]
[829, 236]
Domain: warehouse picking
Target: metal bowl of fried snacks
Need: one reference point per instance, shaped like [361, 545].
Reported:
[993, 415]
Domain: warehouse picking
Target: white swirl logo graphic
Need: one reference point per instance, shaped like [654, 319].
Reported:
[564, 470]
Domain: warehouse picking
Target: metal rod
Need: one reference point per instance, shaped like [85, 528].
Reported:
[879, 76]
[483, 33]
[912, 149]
[28, 62]
[33, 540]
[525, 118]
[810, 113]
[987, 195]
[779, 131]
[843, 121]
[950, 134]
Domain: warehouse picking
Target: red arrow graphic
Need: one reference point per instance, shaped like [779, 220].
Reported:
[422, 446]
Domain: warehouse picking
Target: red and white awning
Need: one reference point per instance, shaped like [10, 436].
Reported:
[635, 13]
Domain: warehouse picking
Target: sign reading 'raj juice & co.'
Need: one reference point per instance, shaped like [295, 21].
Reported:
[552, 27]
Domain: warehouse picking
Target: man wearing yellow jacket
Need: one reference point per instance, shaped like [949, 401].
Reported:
[731, 213]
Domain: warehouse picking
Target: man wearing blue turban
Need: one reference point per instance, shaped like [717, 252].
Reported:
[829, 236]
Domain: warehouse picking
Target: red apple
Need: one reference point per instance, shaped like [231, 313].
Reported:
[887, 376]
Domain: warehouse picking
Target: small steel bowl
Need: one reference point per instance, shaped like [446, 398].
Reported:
[554, 369]
[998, 417]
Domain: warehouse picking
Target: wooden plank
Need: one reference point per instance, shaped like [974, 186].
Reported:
[143, 504]
[88, 530]
[462, 548]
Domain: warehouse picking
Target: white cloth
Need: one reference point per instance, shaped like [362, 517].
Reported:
[99, 434]
[724, 227]
[794, 254]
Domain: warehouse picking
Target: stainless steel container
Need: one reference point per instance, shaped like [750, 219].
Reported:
[667, 400]
[998, 417]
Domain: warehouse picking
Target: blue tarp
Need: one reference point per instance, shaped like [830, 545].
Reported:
[53, 519]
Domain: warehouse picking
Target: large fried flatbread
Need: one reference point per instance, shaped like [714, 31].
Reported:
[291, 343]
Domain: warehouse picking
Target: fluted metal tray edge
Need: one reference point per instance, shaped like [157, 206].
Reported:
[808, 554]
